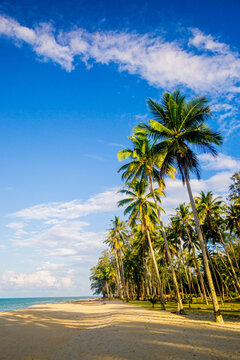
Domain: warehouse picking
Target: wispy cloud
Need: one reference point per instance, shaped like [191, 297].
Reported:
[195, 61]
[221, 162]
[176, 193]
[95, 157]
[208, 42]
[55, 230]
[60, 241]
[160, 62]
[224, 167]
[109, 143]
[106, 201]
[40, 279]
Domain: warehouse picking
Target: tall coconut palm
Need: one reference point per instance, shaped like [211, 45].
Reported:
[185, 217]
[210, 209]
[179, 126]
[116, 238]
[235, 189]
[145, 163]
[141, 208]
[233, 219]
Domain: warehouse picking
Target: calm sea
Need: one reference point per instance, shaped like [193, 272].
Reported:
[19, 303]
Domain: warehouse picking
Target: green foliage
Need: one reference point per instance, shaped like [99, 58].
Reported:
[153, 300]
[168, 142]
[179, 127]
[234, 189]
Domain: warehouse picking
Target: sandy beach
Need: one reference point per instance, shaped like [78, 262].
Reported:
[94, 329]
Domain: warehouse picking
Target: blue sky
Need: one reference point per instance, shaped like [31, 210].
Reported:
[75, 77]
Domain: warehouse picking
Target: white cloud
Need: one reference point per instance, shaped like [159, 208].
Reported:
[176, 193]
[47, 265]
[197, 61]
[41, 38]
[103, 202]
[62, 252]
[219, 183]
[41, 278]
[160, 62]
[16, 225]
[221, 162]
[58, 240]
[208, 42]
[66, 238]
[47, 275]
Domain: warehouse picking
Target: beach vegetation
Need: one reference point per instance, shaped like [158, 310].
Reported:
[194, 257]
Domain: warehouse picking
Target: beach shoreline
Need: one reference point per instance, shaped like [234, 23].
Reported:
[110, 329]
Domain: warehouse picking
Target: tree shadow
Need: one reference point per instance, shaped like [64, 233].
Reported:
[118, 331]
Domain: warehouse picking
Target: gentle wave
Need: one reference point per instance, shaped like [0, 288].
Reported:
[20, 303]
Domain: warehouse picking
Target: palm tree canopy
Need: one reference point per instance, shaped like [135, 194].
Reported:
[145, 161]
[233, 218]
[139, 204]
[117, 233]
[210, 211]
[208, 206]
[235, 189]
[179, 126]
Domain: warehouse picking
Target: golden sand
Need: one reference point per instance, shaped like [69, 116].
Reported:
[94, 329]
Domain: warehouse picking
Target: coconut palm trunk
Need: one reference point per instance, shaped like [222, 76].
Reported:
[156, 268]
[107, 288]
[221, 259]
[216, 308]
[119, 275]
[166, 276]
[230, 262]
[180, 309]
[198, 268]
[182, 260]
[122, 272]
[223, 282]
[234, 255]
[199, 292]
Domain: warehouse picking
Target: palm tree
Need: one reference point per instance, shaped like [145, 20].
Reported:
[115, 238]
[145, 163]
[210, 209]
[185, 217]
[235, 189]
[140, 208]
[101, 275]
[177, 128]
[233, 219]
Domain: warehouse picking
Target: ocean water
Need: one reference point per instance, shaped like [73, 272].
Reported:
[20, 303]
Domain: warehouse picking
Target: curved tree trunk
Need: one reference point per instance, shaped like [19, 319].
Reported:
[185, 270]
[107, 287]
[221, 259]
[198, 287]
[166, 275]
[216, 280]
[198, 268]
[230, 262]
[224, 282]
[156, 267]
[119, 276]
[216, 308]
[234, 255]
[235, 259]
[122, 272]
[193, 288]
[180, 309]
